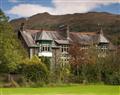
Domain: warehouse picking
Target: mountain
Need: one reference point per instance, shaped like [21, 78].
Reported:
[78, 22]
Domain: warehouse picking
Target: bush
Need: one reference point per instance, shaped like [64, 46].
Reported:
[34, 70]
[97, 69]
[110, 70]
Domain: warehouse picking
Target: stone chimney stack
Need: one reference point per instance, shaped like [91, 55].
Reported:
[22, 26]
[68, 32]
[101, 31]
[64, 30]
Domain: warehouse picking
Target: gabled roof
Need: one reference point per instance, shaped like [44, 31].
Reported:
[28, 39]
[102, 39]
[62, 41]
[85, 38]
[42, 36]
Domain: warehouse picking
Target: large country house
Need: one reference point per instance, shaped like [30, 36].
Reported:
[55, 44]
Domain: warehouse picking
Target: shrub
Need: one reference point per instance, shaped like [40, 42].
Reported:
[34, 70]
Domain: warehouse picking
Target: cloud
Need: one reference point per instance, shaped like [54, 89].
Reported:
[28, 9]
[60, 7]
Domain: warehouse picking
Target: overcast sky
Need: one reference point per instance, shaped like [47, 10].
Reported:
[26, 8]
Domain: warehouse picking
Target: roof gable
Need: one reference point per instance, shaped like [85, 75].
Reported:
[102, 39]
[42, 36]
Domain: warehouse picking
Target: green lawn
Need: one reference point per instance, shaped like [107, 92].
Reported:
[67, 90]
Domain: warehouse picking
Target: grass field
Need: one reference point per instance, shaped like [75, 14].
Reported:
[67, 90]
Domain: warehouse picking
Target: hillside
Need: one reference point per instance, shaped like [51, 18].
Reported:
[78, 22]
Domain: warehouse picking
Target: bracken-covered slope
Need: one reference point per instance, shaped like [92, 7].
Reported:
[78, 22]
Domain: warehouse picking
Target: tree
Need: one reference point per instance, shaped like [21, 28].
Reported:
[11, 52]
[111, 68]
[78, 61]
[3, 18]
[84, 62]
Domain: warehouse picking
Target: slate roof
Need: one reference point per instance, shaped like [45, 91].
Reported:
[62, 41]
[102, 39]
[30, 36]
[42, 36]
[28, 39]
[83, 37]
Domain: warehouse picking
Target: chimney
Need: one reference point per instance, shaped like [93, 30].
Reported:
[22, 26]
[64, 31]
[68, 32]
[100, 32]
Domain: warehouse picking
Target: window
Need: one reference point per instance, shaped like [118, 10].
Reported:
[45, 47]
[64, 48]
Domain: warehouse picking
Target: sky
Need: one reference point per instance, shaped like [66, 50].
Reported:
[26, 8]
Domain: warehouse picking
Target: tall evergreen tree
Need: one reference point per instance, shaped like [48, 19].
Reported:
[11, 52]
